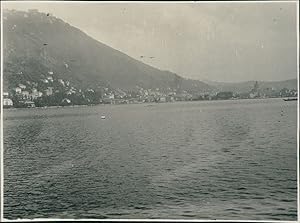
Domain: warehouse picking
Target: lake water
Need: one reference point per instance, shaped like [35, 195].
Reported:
[189, 160]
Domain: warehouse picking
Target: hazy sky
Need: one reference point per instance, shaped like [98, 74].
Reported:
[234, 41]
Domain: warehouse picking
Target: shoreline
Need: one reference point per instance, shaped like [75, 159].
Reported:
[146, 103]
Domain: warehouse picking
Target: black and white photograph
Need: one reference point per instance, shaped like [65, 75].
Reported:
[171, 111]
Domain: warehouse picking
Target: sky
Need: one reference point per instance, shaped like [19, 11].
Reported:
[215, 41]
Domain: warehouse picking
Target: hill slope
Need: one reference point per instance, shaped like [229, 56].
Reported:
[36, 43]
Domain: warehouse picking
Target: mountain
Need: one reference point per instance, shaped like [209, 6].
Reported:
[247, 86]
[37, 43]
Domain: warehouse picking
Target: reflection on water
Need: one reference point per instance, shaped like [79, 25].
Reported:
[202, 160]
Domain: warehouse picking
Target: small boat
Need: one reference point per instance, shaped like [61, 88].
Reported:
[290, 99]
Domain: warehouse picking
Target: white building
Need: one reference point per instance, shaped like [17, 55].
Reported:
[22, 86]
[35, 94]
[61, 81]
[45, 81]
[25, 94]
[29, 104]
[91, 90]
[49, 91]
[7, 102]
[162, 99]
[66, 100]
[50, 78]
[18, 90]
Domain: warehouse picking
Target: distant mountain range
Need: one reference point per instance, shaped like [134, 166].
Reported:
[37, 43]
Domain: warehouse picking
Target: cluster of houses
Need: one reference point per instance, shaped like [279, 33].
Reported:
[268, 92]
[142, 95]
[156, 95]
[28, 93]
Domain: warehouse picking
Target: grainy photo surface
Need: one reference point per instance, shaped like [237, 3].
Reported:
[150, 110]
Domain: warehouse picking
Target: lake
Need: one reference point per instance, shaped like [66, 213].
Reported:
[231, 160]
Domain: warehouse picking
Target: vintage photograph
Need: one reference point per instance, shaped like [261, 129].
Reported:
[149, 110]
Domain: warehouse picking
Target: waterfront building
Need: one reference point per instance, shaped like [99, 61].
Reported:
[253, 95]
[29, 104]
[66, 101]
[162, 99]
[7, 102]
